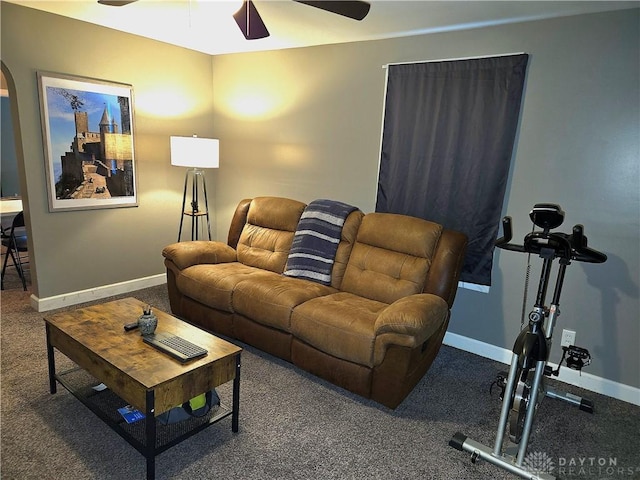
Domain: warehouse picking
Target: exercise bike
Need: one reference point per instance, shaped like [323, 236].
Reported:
[523, 387]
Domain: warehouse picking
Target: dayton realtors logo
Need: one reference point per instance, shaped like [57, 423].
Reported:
[540, 462]
[599, 466]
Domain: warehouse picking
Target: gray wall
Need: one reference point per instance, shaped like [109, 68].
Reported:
[305, 123]
[79, 250]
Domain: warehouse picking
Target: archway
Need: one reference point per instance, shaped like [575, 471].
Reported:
[16, 196]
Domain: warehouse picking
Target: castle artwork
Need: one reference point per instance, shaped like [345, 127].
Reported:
[88, 136]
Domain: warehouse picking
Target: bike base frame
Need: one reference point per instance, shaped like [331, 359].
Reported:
[507, 462]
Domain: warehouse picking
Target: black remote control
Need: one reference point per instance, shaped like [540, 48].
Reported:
[130, 326]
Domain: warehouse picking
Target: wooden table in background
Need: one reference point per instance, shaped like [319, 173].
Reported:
[149, 380]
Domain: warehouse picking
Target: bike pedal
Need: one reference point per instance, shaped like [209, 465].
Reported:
[578, 357]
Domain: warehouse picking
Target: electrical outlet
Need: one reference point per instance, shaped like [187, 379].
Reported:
[568, 338]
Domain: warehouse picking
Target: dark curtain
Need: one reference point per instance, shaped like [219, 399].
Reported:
[447, 141]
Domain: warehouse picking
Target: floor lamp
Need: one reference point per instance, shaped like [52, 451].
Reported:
[196, 154]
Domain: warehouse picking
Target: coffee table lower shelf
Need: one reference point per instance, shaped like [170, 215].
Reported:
[105, 405]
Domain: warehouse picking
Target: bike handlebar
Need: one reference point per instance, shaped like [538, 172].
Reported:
[507, 233]
[569, 247]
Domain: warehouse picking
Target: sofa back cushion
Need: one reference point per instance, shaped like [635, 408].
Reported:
[267, 235]
[391, 257]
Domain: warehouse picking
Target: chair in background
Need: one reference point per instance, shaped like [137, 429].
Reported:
[15, 242]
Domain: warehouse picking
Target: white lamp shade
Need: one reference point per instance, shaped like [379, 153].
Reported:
[195, 152]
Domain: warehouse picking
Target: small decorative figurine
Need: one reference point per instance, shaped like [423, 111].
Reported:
[147, 321]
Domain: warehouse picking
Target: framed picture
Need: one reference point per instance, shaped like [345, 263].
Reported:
[87, 127]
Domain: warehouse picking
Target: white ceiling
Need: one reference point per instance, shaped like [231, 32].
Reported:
[207, 25]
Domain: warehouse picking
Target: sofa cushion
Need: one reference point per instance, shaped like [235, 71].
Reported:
[213, 284]
[267, 236]
[360, 330]
[270, 300]
[391, 257]
[342, 325]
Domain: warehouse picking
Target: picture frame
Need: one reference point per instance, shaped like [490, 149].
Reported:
[88, 139]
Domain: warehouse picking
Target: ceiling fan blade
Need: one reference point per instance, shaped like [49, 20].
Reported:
[116, 3]
[250, 22]
[347, 8]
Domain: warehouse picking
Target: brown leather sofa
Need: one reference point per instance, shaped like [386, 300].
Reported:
[374, 331]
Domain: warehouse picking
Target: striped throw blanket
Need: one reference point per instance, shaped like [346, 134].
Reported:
[316, 240]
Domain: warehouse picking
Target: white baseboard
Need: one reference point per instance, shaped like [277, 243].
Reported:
[91, 294]
[584, 380]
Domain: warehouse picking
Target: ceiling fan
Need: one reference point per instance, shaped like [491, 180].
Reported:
[252, 26]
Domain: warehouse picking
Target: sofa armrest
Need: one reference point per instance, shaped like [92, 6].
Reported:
[186, 254]
[414, 319]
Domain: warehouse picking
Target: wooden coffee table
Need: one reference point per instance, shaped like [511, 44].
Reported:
[138, 374]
